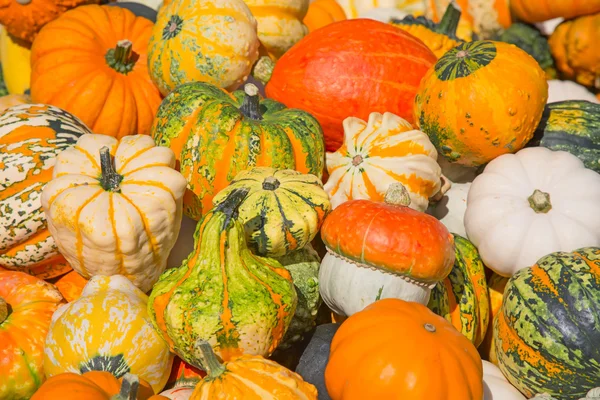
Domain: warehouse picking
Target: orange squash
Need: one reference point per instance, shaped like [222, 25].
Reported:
[92, 62]
[70, 285]
[496, 286]
[574, 46]
[395, 349]
[323, 12]
[26, 307]
[543, 10]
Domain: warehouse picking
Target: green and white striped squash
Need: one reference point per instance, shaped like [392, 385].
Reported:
[238, 302]
[462, 298]
[284, 209]
[572, 126]
[547, 332]
[215, 135]
[31, 136]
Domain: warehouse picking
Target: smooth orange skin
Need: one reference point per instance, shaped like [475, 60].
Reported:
[496, 286]
[394, 238]
[70, 285]
[543, 10]
[323, 12]
[574, 46]
[385, 352]
[69, 70]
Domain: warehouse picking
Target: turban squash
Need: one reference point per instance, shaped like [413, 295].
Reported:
[215, 135]
[30, 139]
[91, 61]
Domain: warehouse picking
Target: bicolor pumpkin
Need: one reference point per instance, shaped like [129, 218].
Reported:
[481, 100]
[31, 136]
[215, 135]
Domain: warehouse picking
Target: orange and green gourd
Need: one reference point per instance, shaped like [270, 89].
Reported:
[31, 136]
[462, 298]
[215, 135]
[239, 302]
[481, 100]
[496, 285]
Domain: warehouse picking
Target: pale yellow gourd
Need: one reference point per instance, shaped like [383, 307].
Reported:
[114, 207]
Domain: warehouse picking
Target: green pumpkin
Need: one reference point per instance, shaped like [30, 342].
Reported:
[284, 209]
[304, 267]
[572, 126]
[216, 135]
[530, 40]
[3, 90]
[548, 329]
[462, 298]
[239, 302]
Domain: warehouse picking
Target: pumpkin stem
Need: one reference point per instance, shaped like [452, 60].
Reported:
[270, 183]
[449, 22]
[209, 362]
[109, 180]
[122, 58]
[230, 205]
[4, 310]
[397, 195]
[129, 388]
[263, 69]
[540, 202]
[429, 327]
[251, 104]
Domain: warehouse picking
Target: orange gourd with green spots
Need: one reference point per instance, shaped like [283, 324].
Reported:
[481, 100]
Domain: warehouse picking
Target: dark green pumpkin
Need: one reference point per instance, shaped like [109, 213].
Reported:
[547, 333]
[215, 135]
[572, 126]
[531, 40]
[462, 298]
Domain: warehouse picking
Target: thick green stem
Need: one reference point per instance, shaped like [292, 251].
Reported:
[263, 69]
[449, 22]
[4, 310]
[122, 58]
[230, 205]
[210, 363]
[109, 180]
[251, 104]
[270, 183]
[129, 388]
[540, 202]
[397, 195]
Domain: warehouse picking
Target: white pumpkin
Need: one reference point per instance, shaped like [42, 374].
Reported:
[178, 393]
[384, 14]
[361, 8]
[377, 153]
[568, 90]
[547, 27]
[496, 386]
[530, 204]
[115, 216]
[450, 210]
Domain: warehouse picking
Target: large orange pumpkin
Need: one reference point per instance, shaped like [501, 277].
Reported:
[92, 62]
[351, 68]
[26, 307]
[395, 349]
[543, 10]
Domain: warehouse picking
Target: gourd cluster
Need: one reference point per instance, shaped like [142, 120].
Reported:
[332, 200]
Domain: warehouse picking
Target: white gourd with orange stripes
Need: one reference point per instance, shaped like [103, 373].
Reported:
[377, 153]
[115, 216]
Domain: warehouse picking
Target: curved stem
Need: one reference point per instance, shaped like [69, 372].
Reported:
[263, 69]
[210, 363]
[230, 205]
[397, 195]
[540, 202]
[109, 180]
[449, 22]
[270, 183]
[251, 104]
[4, 310]
[129, 388]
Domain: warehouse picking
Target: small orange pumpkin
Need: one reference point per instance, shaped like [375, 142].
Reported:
[496, 286]
[395, 349]
[70, 285]
[323, 12]
[92, 62]
[544, 10]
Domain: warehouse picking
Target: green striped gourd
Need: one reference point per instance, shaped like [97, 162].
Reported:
[284, 209]
[462, 298]
[215, 135]
[547, 332]
[238, 302]
[573, 126]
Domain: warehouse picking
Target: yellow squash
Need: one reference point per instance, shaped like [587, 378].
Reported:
[14, 58]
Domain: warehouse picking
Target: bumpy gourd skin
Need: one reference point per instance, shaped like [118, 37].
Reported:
[238, 302]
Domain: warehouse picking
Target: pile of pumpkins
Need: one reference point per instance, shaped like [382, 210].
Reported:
[184, 182]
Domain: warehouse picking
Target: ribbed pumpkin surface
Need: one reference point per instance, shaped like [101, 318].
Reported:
[548, 330]
[31, 136]
[351, 69]
[213, 140]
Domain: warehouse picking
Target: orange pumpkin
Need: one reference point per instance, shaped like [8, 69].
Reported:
[323, 12]
[26, 307]
[543, 10]
[24, 18]
[496, 286]
[395, 349]
[70, 285]
[92, 62]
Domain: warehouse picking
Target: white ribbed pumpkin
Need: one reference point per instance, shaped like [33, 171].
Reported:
[496, 386]
[377, 153]
[118, 216]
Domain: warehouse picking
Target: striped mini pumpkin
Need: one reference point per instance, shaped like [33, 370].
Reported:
[238, 302]
[216, 135]
[31, 136]
[547, 332]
